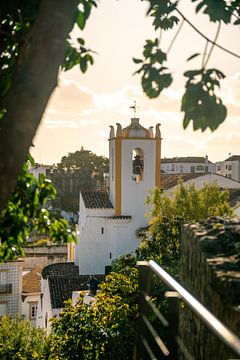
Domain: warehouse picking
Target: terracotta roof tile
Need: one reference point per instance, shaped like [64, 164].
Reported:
[31, 281]
[96, 200]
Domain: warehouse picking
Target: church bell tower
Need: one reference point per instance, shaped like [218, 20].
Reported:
[135, 156]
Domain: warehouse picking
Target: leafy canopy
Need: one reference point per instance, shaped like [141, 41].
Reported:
[189, 203]
[105, 330]
[20, 341]
[26, 213]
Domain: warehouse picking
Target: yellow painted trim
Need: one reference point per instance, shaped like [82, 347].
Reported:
[71, 251]
[158, 163]
[118, 176]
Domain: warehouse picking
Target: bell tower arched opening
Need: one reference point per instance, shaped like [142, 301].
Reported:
[137, 164]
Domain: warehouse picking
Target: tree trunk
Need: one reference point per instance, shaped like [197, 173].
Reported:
[33, 83]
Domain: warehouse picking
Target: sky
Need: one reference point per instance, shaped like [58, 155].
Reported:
[84, 105]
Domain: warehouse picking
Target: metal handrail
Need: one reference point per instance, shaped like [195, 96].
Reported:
[220, 330]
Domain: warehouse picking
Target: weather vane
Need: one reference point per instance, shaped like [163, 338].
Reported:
[134, 107]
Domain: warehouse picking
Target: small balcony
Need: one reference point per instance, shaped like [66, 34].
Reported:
[5, 288]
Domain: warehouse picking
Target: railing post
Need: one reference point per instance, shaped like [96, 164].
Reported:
[173, 320]
[145, 283]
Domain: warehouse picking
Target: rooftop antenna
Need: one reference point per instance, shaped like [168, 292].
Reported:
[134, 108]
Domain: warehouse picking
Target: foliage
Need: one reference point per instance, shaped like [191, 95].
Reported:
[85, 162]
[105, 330]
[19, 341]
[199, 103]
[26, 212]
[81, 170]
[154, 77]
[189, 203]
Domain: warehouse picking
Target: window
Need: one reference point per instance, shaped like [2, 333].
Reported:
[102, 230]
[33, 310]
[229, 176]
[199, 168]
[229, 167]
[172, 167]
[181, 168]
[3, 308]
[219, 168]
[137, 165]
[3, 277]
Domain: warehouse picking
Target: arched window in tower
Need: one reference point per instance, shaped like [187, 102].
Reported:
[137, 164]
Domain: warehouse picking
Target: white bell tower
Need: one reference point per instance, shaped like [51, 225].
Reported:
[135, 156]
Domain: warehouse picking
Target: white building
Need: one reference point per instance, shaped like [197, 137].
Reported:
[107, 224]
[31, 294]
[186, 165]
[36, 170]
[11, 288]
[229, 168]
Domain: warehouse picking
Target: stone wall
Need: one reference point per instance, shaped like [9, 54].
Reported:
[43, 255]
[210, 270]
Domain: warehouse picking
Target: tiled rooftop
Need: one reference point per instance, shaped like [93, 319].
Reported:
[65, 268]
[233, 158]
[61, 287]
[96, 200]
[186, 159]
[170, 180]
[31, 281]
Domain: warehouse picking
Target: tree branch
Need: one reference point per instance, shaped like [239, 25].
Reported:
[205, 37]
[36, 78]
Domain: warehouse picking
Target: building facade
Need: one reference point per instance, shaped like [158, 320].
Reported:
[229, 168]
[187, 165]
[11, 288]
[107, 224]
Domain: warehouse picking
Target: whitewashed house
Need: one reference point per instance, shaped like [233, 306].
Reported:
[187, 165]
[229, 168]
[31, 292]
[107, 223]
[59, 282]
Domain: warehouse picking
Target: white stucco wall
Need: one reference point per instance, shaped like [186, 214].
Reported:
[229, 169]
[26, 303]
[44, 306]
[133, 193]
[36, 171]
[186, 168]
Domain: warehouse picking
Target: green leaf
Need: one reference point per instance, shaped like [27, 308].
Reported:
[81, 41]
[137, 61]
[192, 73]
[80, 20]
[83, 64]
